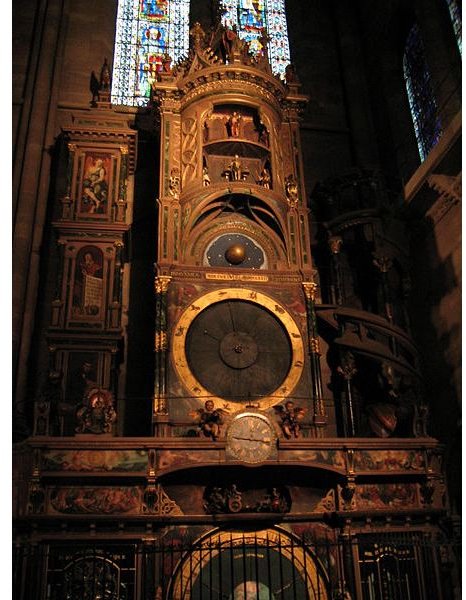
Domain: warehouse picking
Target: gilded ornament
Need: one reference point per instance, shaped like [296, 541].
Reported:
[315, 345]
[160, 341]
[310, 289]
[235, 254]
[161, 283]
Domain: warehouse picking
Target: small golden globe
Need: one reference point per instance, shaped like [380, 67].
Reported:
[235, 254]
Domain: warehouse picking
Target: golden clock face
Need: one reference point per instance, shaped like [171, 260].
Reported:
[251, 438]
[238, 346]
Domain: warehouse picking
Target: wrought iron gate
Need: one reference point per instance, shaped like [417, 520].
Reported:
[231, 565]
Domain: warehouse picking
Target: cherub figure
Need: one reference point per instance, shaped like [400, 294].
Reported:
[290, 417]
[210, 419]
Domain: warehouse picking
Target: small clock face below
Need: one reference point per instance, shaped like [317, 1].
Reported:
[251, 438]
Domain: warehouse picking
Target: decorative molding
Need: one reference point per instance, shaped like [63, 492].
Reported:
[449, 190]
[157, 502]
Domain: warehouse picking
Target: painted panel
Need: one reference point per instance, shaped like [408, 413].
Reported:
[94, 460]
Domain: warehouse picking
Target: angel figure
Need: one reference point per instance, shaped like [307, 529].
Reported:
[210, 419]
[290, 417]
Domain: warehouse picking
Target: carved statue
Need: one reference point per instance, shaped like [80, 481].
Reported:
[291, 190]
[262, 131]
[290, 75]
[97, 414]
[230, 43]
[234, 499]
[205, 177]
[198, 36]
[235, 170]
[167, 64]
[290, 417]
[229, 499]
[215, 501]
[265, 178]
[275, 501]
[232, 124]
[105, 77]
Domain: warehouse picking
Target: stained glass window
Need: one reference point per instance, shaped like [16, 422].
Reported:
[146, 30]
[455, 14]
[250, 17]
[420, 92]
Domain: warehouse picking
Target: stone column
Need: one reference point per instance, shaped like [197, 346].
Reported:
[31, 180]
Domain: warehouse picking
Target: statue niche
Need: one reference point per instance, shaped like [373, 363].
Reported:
[236, 146]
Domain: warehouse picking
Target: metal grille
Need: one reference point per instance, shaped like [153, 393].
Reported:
[266, 565]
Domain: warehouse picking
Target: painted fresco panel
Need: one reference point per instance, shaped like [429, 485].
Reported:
[388, 460]
[333, 458]
[387, 495]
[94, 460]
[95, 187]
[96, 500]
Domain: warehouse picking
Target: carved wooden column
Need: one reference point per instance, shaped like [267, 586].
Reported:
[319, 418]
[160, 345]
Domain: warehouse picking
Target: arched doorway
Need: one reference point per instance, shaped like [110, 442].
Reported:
[268, 564]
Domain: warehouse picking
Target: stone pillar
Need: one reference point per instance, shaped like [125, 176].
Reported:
[31, 179]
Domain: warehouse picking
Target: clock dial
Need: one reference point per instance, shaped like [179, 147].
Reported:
[250, 438]
[237, 345]
[238, 350]
[235, 250]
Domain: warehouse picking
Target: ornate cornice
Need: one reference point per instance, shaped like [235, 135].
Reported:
[105, 131]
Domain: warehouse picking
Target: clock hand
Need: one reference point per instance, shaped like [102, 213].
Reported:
[252, 439]
[231, 317]
[210, 335]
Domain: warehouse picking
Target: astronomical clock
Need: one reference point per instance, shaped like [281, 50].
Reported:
[235, 285]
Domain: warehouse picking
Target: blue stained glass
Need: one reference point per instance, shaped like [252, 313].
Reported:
[250, 17]
[154, 9]
[145, 31]
[455, 14]
[424, 112]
